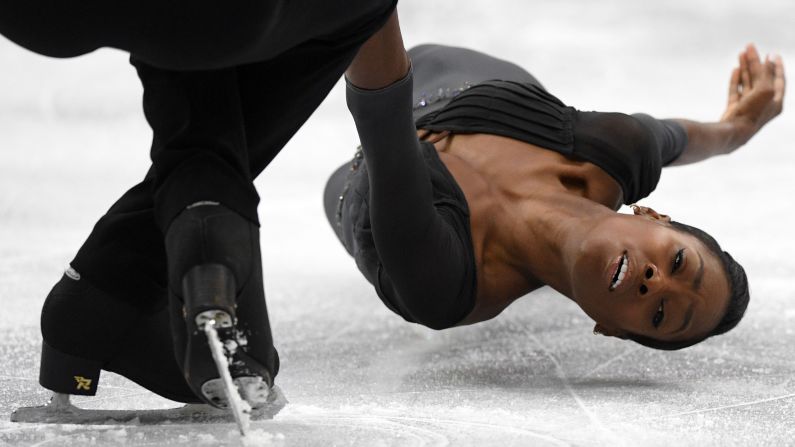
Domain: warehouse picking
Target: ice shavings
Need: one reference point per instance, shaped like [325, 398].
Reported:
[259, 437]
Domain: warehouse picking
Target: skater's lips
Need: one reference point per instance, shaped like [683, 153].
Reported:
[619, 272]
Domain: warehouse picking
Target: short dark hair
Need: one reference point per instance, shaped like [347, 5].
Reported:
[738, 294]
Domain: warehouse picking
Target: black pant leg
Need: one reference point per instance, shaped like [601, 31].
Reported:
[124, 254]
[185, 34]
[199, 150]
[279, 96]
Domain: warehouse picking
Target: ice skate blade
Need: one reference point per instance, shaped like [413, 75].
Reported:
[238, 407]
[188, 414]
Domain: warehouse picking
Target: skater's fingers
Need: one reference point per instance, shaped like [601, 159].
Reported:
[770, 67]
[734, 86]
[752, 57]
[745, 76]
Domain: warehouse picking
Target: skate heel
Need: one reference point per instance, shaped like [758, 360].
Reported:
[209, 292]
[68, 374]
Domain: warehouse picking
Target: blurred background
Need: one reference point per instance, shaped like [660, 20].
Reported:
[73, 139]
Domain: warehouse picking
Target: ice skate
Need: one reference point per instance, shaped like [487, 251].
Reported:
[69, 322]
[218, 315]
[81, 326]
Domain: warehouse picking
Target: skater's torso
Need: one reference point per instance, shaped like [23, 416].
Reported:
[515, 151]
[507, 184]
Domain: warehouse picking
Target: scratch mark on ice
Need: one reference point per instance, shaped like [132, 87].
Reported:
[607, 362]
[726, 407]
[524, 431]
[566, 384]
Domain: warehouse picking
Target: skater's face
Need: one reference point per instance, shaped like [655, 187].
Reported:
[636, 274]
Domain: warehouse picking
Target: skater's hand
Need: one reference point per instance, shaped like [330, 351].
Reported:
[756, 93]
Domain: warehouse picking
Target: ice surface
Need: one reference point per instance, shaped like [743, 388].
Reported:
[73, 139]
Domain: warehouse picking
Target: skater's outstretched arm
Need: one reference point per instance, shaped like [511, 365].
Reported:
[421, 253]
[756, 96]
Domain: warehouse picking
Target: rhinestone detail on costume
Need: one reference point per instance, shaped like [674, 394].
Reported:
[441, 94]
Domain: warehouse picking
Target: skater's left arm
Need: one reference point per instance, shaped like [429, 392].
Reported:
[756, 96]
[425, 257]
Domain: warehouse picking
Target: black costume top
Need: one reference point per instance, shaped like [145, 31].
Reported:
[630, 148]
[408, 220]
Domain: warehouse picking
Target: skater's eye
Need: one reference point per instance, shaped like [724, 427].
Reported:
[679, 259]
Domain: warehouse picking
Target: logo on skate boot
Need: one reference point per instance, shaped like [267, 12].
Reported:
[83, 383]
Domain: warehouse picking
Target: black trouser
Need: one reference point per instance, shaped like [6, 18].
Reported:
[272, 63]
[188, 34]
[124, 254]
[268, 49]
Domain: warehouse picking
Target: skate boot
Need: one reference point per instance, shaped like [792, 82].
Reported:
[81, 326]
[86, 330]
[219, 319]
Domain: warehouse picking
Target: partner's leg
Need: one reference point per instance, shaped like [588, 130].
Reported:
[182, 34]
[199, 150]
[276, 98]
[125, 257]
[205, 204]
